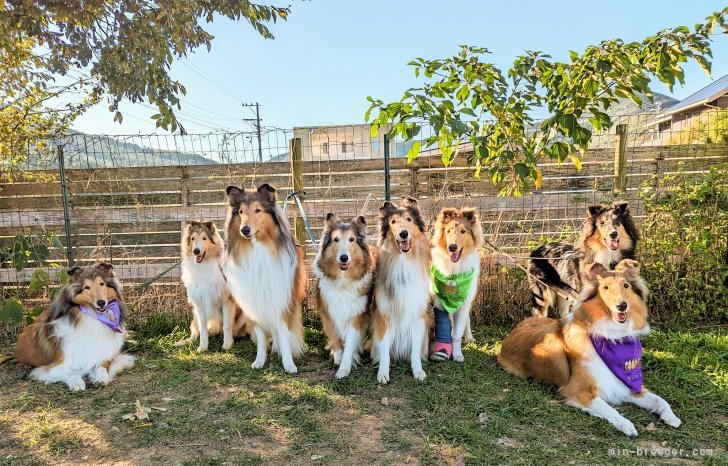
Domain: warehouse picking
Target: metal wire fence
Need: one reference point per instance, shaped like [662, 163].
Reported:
[125, 199]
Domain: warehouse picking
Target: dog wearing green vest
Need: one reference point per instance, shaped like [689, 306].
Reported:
[455, 271]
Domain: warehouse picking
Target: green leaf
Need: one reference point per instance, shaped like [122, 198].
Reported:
[11, 312]
[56, 241]
[576, 161]
[63, 277]
[39, 280]
[414, 151]
[33, 314]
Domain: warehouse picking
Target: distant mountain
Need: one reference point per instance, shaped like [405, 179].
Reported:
[627, 107]
[98, 151]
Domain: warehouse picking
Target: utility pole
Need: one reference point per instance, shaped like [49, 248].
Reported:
[257, 127]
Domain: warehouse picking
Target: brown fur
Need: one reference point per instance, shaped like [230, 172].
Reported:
[37, 345]
[553, 351]
[460, 228]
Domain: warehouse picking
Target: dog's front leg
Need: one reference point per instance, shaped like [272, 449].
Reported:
[384, 346]
[419, 331]
[600, 408]
[59, 373]
[656, 404]
[352, 342]
[202, 311]
[194, 332]
[227, 324]
[284, 348]
[261, 342]
[460, 321]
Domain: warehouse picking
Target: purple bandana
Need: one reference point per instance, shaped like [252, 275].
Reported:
[109, 316]
[623, 358]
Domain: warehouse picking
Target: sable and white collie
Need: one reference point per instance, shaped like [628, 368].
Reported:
[82, 333]
[608, 235]
[594, 354]
[265, 272]
[214, 308]
[456, 261]
[345, 267]
[401, 289]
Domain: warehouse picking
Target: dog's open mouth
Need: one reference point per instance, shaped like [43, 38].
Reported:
[404, 245]
[613, 244]
[200, 257]
[344, 265]
[455, 256]
[620, 317]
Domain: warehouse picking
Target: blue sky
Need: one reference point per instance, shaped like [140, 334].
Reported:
[331, 54]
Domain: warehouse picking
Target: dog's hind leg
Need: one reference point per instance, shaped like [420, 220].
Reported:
[284, 337]
[419, 332]
[121, 362]
[194, 332]
[59, 373]
[468, 332]
[352, 344]
[657, 405]
[261, 342]
[202, 312]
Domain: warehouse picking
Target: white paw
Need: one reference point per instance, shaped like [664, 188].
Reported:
[419, 375]
[671, 420]
[258, 364]
[626, 426]
[101, 377]
[290, 368]
[458, 357]
[76, 384]
[383, 378]
[226, 345]
[201, 348]
[343, 372]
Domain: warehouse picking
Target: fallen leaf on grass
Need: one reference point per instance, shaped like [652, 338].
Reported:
[157, 408]
[651, 426]
[385, 401]
[3, 358]
[316, 457]
[503, 441]
[482, 418]
[142, 413]
[167, 399]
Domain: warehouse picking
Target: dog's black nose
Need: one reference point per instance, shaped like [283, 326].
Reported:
[453, 247]
[621, 307]
[246, 230]
[613, 235]
[101, 303]
[196, 251]
[404, 234]
[344, 258]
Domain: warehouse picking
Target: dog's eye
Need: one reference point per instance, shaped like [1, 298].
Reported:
[462, 231]
[351, 240]
[626, 285]
[606, 287]
[601, 224]
[86, 287]
[336, 240]
[102, 284]
[393, 222]
[240, 212]
[409, 219]
[257, 211]
[204, 238]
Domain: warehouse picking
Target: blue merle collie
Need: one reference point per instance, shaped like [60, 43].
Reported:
[608, 235]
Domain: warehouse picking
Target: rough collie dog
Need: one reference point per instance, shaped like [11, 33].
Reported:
[401, 289]
[214, 308]
[81, 335]
[265, 272]
[455, 272]
[594, 354]
[344, 267]
[608, 235]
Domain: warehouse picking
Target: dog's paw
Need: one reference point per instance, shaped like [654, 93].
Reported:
[419, 375]
[343, 372]
[258, 364]
[226, 345]
[201, 348]
[458, 357]
[100, 377]
[76, 384]
[626, 427]
[290, 368]
[383, 378]
[671, 420]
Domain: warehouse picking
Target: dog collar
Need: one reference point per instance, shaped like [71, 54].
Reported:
[623, 358]
[451, 290]
[110, 316]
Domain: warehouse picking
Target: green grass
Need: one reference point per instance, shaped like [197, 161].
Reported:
[215, 409]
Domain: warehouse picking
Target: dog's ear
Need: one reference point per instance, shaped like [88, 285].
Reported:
[331, 220]
[193, 223]
[410, 202]
[628, 267]
[595, 271]
[105, 267]
[74, 272]
[446, 214]
[471, 215]
[232, 192]
[360, 220]
[594, 210]
[210, 225]
[360, 225]
[622, 208]
[268, 191]
[387, 209]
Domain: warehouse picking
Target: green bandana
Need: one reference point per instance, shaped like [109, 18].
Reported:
[451, 290]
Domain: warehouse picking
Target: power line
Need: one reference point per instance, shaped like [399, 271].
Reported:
[211, 80]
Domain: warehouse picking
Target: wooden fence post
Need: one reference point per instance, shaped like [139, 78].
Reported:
[299, 228]
[620, 160]
[413, 178]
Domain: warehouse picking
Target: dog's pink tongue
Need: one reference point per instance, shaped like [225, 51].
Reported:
[613, 245]
[198, 258]
[404, 245]
[454, 256]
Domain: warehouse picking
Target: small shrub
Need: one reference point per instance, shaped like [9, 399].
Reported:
[684, 251]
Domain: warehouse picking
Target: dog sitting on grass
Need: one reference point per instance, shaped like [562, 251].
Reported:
[81, 335]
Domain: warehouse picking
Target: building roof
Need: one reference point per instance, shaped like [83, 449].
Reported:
[707, 94]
